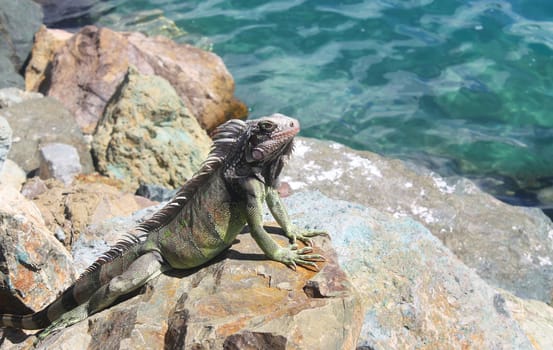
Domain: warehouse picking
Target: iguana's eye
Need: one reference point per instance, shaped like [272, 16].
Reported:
[266, 125]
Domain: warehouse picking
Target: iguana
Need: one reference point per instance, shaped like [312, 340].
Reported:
[199, 222]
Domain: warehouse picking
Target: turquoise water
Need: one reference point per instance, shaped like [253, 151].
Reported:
[464, 87]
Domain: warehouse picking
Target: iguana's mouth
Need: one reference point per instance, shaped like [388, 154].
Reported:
[288, 133]
[282, 144]
[272, 138]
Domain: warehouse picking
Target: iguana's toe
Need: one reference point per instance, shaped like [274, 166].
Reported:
[305, 236]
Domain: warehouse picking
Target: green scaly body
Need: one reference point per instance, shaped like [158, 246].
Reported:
[203, 219]
[206, 225]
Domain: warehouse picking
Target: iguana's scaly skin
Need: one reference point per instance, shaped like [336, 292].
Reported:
[201, 221]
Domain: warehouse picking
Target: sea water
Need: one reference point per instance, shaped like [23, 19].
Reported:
[463, 87]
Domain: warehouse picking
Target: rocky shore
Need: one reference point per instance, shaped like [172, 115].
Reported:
[98, 126]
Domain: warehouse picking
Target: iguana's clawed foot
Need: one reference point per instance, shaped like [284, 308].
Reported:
[292, 256]
[304, 235]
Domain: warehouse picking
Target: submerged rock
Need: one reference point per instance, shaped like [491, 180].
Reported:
[65, 10]
[86, 70]
[147, 135]
[510, 247]
[148, 22]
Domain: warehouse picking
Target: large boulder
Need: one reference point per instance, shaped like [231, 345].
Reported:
[38, 121]
[47, 42]
[239, 301]
[19, 20]
[416, 293]
[86, 71]
[510, 247]
[8, 75]
[34, 266]
[147, 135]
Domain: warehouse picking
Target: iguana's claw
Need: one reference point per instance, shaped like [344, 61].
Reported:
[293, 256]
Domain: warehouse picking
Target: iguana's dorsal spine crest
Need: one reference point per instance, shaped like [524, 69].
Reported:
[114, 252]
[226, 138]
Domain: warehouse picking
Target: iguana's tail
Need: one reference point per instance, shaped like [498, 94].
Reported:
[111, 264]
[76, 294]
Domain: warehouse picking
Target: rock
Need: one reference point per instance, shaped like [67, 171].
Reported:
[8, 76]
[11, 96]
[12, 175]
[155, 192]
[47, 42]
[534, 317]
[99, 236]
[88, 201]
[545, 195]
[241, 299]
[34, 187]
[35, 265]
[59, 161]
[510, 247]
[40, 121]
[19, 21]
[86, 71]
[5, 141]
[416, 293]
[147, 135]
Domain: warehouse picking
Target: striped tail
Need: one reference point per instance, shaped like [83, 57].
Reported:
[37, 320]
[43, 318]
[111, 264]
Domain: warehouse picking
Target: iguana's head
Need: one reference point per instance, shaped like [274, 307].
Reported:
[270, 138]
[256, 147]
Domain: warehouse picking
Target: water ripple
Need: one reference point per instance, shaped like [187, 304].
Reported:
[462, 86]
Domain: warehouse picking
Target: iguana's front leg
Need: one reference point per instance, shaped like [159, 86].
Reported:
[274, 202]
[292, 255]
